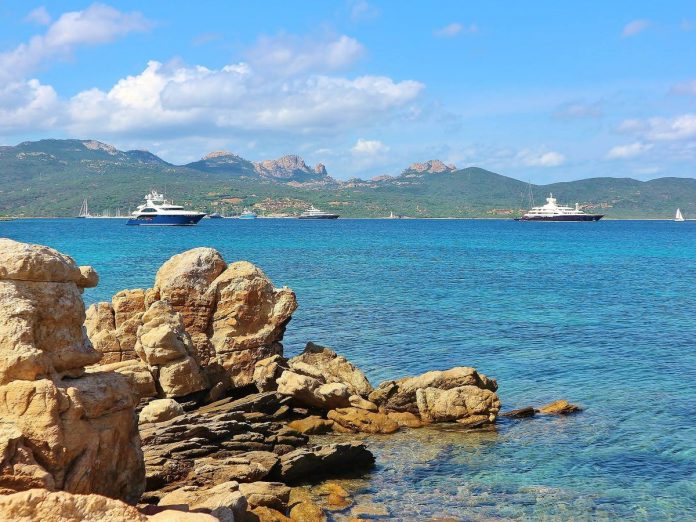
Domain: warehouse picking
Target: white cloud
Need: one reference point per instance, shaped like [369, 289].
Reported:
[365, 147]
[291, 55]
[361, 10]
[634, 27]
[628, 151]
[455, 28]
[541, 159]
[39, 16]
[662, 129]
[97, 24]
[28, 106]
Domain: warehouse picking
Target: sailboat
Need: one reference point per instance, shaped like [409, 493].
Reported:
[84, 210]
[678, 216]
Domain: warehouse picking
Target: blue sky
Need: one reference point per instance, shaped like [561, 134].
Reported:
[541, 91]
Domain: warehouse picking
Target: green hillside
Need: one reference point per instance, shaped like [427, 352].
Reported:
[52, 177]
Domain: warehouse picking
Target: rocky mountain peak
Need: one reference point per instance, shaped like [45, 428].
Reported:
[287, 167]
[219, 154]
[98, 145]
[431, 167]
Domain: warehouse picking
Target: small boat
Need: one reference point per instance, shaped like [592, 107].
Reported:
[84, 211]
[158, 211]
[215, 215]
[247, 214]
[678, 216]
[314, 213]
[554, 212]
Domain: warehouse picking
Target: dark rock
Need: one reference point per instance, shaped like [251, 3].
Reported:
[520, 413]
[311, 463]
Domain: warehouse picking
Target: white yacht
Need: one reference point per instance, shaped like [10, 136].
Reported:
[555, 212]
[158, 211]
[247, 214]
[314, 213]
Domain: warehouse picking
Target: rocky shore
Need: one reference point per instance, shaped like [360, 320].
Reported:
[176, 402]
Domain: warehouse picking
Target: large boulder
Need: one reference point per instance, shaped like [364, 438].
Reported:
[470, 405]
[355, 419]
[311, 463]
[312, 392]
[318, 360]
[62, 428]
[166, 348]
[249, 319]
[184, 281]
[160, 410]
[401, 395]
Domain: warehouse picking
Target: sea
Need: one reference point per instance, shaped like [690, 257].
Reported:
[601, 314]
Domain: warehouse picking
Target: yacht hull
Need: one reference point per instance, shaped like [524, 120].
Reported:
[328, 216]
[584, 217]
[165, 220]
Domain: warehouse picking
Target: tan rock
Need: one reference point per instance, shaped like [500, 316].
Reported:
[267, 371]
[89, 278]
[160, 410]
[365, 421]
[246, 467]
[307, 511]
[274, 495]
[59, 506]
[265, 514]
[27, 262]
[356, 401]
[312, 425]
[184, 281]
[333, 368]
[99, 317]
[127, 304]
[138, 374]
[455, 404]
[62, 428]
[401, 395]
[250, 316]
[181, 377]
[311, 392]
[405, 419]
[561, 407]
[224, 500]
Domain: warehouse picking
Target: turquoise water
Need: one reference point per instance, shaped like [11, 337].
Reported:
[603, 314]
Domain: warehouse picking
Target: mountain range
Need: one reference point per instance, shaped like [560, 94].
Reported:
[52, 177]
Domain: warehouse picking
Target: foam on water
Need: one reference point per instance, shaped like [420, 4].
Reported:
[602, 314]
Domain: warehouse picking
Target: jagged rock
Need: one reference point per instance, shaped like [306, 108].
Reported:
[126, 304]
[245, 467]
[249, 320]
[267, 371]
[401, 395]
[165, 346]
[520, 413]
[561, 407]
[431, 167]
[138, 374]
[457, 404]
[184, 281]
[274, 495]
[160, 410]
[313, 425]
[311, 392]
[355, 419]
[59, 506]
[62, 428]
[224, 500]
[286, 167]
[317, 461]
[405, 419]
[332, 367]
[358, 402]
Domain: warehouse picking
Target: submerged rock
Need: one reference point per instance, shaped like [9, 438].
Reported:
[520, 413]
[310, 463]
[62, 429]
[355, 419]
[561, 407]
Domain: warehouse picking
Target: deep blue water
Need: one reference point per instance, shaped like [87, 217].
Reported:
[603, 314]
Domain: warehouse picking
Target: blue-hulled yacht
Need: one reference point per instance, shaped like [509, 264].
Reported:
[158, 211]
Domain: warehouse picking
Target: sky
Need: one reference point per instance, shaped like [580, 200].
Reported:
[541, 91]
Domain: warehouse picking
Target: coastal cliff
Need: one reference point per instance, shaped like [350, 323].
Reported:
[178, 397]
